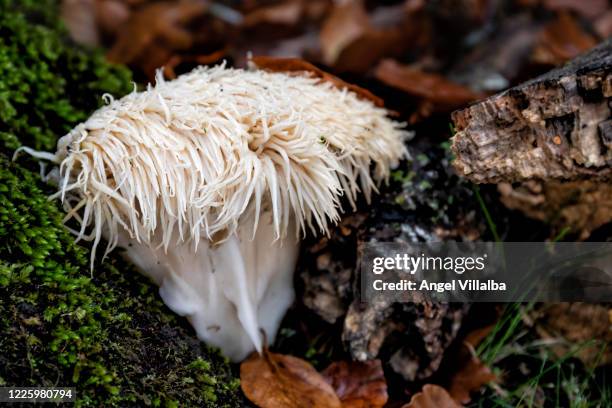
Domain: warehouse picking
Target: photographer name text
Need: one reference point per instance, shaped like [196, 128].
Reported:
[440, 287]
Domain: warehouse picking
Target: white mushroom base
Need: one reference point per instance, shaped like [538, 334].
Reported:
[229, 292]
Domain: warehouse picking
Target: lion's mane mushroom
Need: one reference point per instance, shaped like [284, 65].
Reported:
[209, 180]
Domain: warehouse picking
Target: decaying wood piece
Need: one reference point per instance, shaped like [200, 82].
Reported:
[425, 201]
[576, 323]
[556, 126]
[581, 205]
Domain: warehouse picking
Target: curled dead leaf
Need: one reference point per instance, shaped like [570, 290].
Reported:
[280, 381]
[588, 8]
[432, 396]
[471, 377]
[437, 93]
[288, 13]
[475, 337]
[561, 40]
[176, 60]
[274, 64]
[472, 373]
[346, 22]
[351, 40]
[154, 32]
[358, 384]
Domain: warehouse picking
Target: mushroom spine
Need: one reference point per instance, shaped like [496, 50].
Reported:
[208, 182]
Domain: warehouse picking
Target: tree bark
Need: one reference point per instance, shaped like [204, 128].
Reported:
[556, 126]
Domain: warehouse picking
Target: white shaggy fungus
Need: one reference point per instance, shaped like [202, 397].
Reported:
[208, 181]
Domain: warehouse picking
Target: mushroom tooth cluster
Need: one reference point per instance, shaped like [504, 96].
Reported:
[210, 178]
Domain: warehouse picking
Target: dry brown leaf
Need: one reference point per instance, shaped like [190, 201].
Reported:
[357, 384]
[562, 40]
[350, 40]
[588, 8]
[274, 64]
[432, 396]
[470, 378]
[437, 93]
[430, 86]
[279, 381]
[475, 337]
[361, 55]
[154, 32]
[347, 22]
[289, 12]
[465, 373]
[176, 60]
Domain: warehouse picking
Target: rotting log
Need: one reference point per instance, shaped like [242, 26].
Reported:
[556, 126]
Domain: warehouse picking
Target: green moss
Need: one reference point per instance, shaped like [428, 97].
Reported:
[108, 335]
[46, 83]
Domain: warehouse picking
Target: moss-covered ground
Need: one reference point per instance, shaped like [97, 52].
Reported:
[107, 333]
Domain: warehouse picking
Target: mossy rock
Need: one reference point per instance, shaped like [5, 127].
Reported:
[107, 333]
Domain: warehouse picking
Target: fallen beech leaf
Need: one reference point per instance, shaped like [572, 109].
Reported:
[152, 58]
[358, 385]
[432, 396]
[471, 377]
[475, 337]
[279, 381]
[352, 40]
[154, 31]
[176, 60]
[588, 8]
[465, 372]
[289, 13]
[274, 64]
[430, 86]
[562, 40]
[438, 93]
[347, 22]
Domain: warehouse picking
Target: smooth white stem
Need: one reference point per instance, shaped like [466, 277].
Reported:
[229, 266]
[229, 292]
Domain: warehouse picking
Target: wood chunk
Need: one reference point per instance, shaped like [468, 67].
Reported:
[580, 205]
[424, 201]
[556, 126]
[576, 323]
